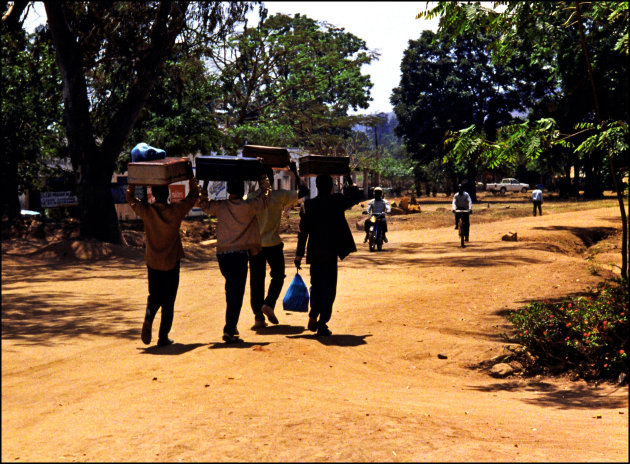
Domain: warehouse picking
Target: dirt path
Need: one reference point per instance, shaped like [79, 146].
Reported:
[78, 384]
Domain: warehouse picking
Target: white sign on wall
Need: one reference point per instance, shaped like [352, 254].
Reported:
[54, 199]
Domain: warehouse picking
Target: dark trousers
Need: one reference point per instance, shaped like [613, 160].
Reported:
[273, 255]
[323, 289]
[162, 293]
[538, 204]
[233, 266]
[465, 219]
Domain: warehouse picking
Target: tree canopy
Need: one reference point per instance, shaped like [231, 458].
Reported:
[450, 84]
[290, 81]
[31, 109]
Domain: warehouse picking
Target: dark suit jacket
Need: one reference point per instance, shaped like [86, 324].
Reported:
[324, 230]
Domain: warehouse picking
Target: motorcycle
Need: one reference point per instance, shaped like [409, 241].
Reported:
[463, 225]
[375, 232]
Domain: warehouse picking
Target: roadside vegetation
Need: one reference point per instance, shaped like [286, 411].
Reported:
[584, 335]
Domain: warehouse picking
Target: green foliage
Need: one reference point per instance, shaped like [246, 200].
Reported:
[611, 136]
[588, 334]
[31, 115]
[292, 72]
[555, 36]
[394, 168]
[179, 116]
[524, 142]
[451, 83]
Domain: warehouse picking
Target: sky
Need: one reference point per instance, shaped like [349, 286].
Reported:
[386, 27]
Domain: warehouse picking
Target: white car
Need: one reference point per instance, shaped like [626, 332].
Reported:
[507, 185]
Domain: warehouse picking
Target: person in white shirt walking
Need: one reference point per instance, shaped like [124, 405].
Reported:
[537, 199]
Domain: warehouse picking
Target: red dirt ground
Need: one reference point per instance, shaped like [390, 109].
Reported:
[79, 385]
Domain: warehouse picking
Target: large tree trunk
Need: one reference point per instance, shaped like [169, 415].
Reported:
[366, 183]
[96, 204]
[10, 192]
[93, 175]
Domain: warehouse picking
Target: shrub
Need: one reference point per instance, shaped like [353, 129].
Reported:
[587, 335]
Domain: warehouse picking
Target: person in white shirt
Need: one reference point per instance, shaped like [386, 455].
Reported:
[537, 199]
[377, 205]
[461, 201]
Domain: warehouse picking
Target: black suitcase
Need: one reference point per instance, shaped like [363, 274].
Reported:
[313, 165]
[225, 168]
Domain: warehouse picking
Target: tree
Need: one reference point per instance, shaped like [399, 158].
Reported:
[31, 102]
[126, 45]
[179, 115]
[449, 84]
[291, 81]
[573, 28]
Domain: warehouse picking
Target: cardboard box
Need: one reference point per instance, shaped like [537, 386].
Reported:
[271, 156]
[158, 172]
[314, 165]
[228, 168]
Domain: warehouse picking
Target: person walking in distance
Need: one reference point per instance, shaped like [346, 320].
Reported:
[325, 236]
[238, 238]
[163, 252]
[537, 199]
[272, 250]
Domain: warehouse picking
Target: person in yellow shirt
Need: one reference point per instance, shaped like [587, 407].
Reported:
[272, 251]
[163, 253]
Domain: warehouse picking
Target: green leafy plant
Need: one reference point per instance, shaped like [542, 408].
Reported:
[586, 334]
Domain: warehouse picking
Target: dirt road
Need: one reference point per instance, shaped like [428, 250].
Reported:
[79, 385]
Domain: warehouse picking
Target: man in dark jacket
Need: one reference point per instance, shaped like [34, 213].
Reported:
[325, 235]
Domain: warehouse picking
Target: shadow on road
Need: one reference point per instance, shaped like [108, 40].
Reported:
[40, 318]
[451, 255]
[549, 395]
[588, 235]
[174, 349]
[281, 329]
[242, 344]
[337, 339]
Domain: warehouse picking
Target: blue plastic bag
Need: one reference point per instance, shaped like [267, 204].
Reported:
[145, 152]
[296, 298]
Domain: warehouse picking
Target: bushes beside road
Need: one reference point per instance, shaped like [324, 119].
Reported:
[586, 335]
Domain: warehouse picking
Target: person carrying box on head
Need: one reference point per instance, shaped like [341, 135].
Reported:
[325, 236]
[238, 239]
[272, 250]
[163, 252]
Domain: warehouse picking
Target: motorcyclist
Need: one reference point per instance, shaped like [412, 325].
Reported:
[461, 201]
[377, 206]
